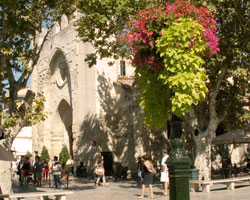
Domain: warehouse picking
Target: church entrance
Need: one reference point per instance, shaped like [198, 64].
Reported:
[65, 112]
[108, 163]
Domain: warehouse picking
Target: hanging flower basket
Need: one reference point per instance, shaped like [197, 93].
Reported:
[168, 46]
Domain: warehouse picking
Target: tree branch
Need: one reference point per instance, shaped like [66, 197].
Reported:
[214, 119]
[23, 79]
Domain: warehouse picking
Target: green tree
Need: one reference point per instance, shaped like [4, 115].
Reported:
[228, 74]
[44, 154]
[28, 155]
[20, 25]
[21, 21]
[102, 22]
[64, 156]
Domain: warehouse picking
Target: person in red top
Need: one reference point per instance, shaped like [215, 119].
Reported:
[46, 169]
[26, 168]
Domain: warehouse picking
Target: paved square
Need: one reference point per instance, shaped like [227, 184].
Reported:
[84, 189]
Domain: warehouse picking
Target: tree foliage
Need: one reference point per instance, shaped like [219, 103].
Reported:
[28, 155]
[45, 154]
[102, 23]
[168, 43]
[21, 21]
[31, 114]
[229, 72]
[64, 156]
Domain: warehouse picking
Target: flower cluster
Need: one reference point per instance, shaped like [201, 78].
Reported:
[200, 15]
[145, 28]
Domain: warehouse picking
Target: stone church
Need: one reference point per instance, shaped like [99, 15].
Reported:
[93, 111]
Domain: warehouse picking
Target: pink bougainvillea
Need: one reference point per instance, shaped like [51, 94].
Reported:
[145, 27]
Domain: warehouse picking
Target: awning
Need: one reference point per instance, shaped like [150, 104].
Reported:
[233, 137]
[6, 155]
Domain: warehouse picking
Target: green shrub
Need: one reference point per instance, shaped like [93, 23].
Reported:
[28, 155]
[44, 154]
[64, 156]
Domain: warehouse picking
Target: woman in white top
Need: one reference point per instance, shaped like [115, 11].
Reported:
[164, 172]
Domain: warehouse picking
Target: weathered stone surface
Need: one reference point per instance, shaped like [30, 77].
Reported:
[5, 172]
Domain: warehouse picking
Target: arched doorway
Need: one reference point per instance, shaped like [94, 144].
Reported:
[65, 112]
[59, 92]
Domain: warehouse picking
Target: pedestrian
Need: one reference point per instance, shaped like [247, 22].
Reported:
[46, 169]
[27, 170]
[139, 170]
[20, 170]
[38, 171]
[56, 168]
[164, 172]
[70, 165]
[100, 172]
[147, 177]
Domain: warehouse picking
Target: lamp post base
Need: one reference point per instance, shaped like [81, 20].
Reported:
[178, 165]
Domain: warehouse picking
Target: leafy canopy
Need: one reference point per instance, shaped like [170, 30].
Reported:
[21, 21]
[103, 21]
[30, 114]
[227, 72]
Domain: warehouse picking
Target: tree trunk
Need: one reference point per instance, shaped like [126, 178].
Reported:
[203, 143]
[203, 154]
[11, 133]
[204, 139]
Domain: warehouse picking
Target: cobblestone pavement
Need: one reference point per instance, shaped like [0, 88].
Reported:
[84, 189]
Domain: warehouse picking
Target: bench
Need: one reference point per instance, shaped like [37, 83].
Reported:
[230, 182]
[60, 195]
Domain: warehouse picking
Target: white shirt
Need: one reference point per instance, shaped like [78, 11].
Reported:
[163, 162]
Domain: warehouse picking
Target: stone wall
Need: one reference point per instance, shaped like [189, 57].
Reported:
[5, 171]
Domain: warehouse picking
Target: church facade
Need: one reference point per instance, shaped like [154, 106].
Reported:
[92, 111]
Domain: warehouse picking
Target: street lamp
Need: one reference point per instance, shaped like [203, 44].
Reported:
[178, 163]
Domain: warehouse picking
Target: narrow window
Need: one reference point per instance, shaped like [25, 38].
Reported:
[122, 68]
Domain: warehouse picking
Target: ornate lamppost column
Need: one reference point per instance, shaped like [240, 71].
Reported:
[178, 163]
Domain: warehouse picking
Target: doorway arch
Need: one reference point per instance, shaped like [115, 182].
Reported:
[65, 112]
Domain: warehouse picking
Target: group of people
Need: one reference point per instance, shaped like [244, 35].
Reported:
[28, 170]
[39, 169]
[36, 171]
[146, 172]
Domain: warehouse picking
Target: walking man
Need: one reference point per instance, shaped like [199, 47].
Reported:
[164, 172]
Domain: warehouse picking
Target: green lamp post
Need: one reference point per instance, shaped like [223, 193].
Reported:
[178, 163]
[168, 49]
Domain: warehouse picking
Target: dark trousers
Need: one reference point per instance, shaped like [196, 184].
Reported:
[57, 181]
[21, 178]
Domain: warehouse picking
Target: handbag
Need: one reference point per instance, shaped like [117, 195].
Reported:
[99, 171]
[153, 170]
